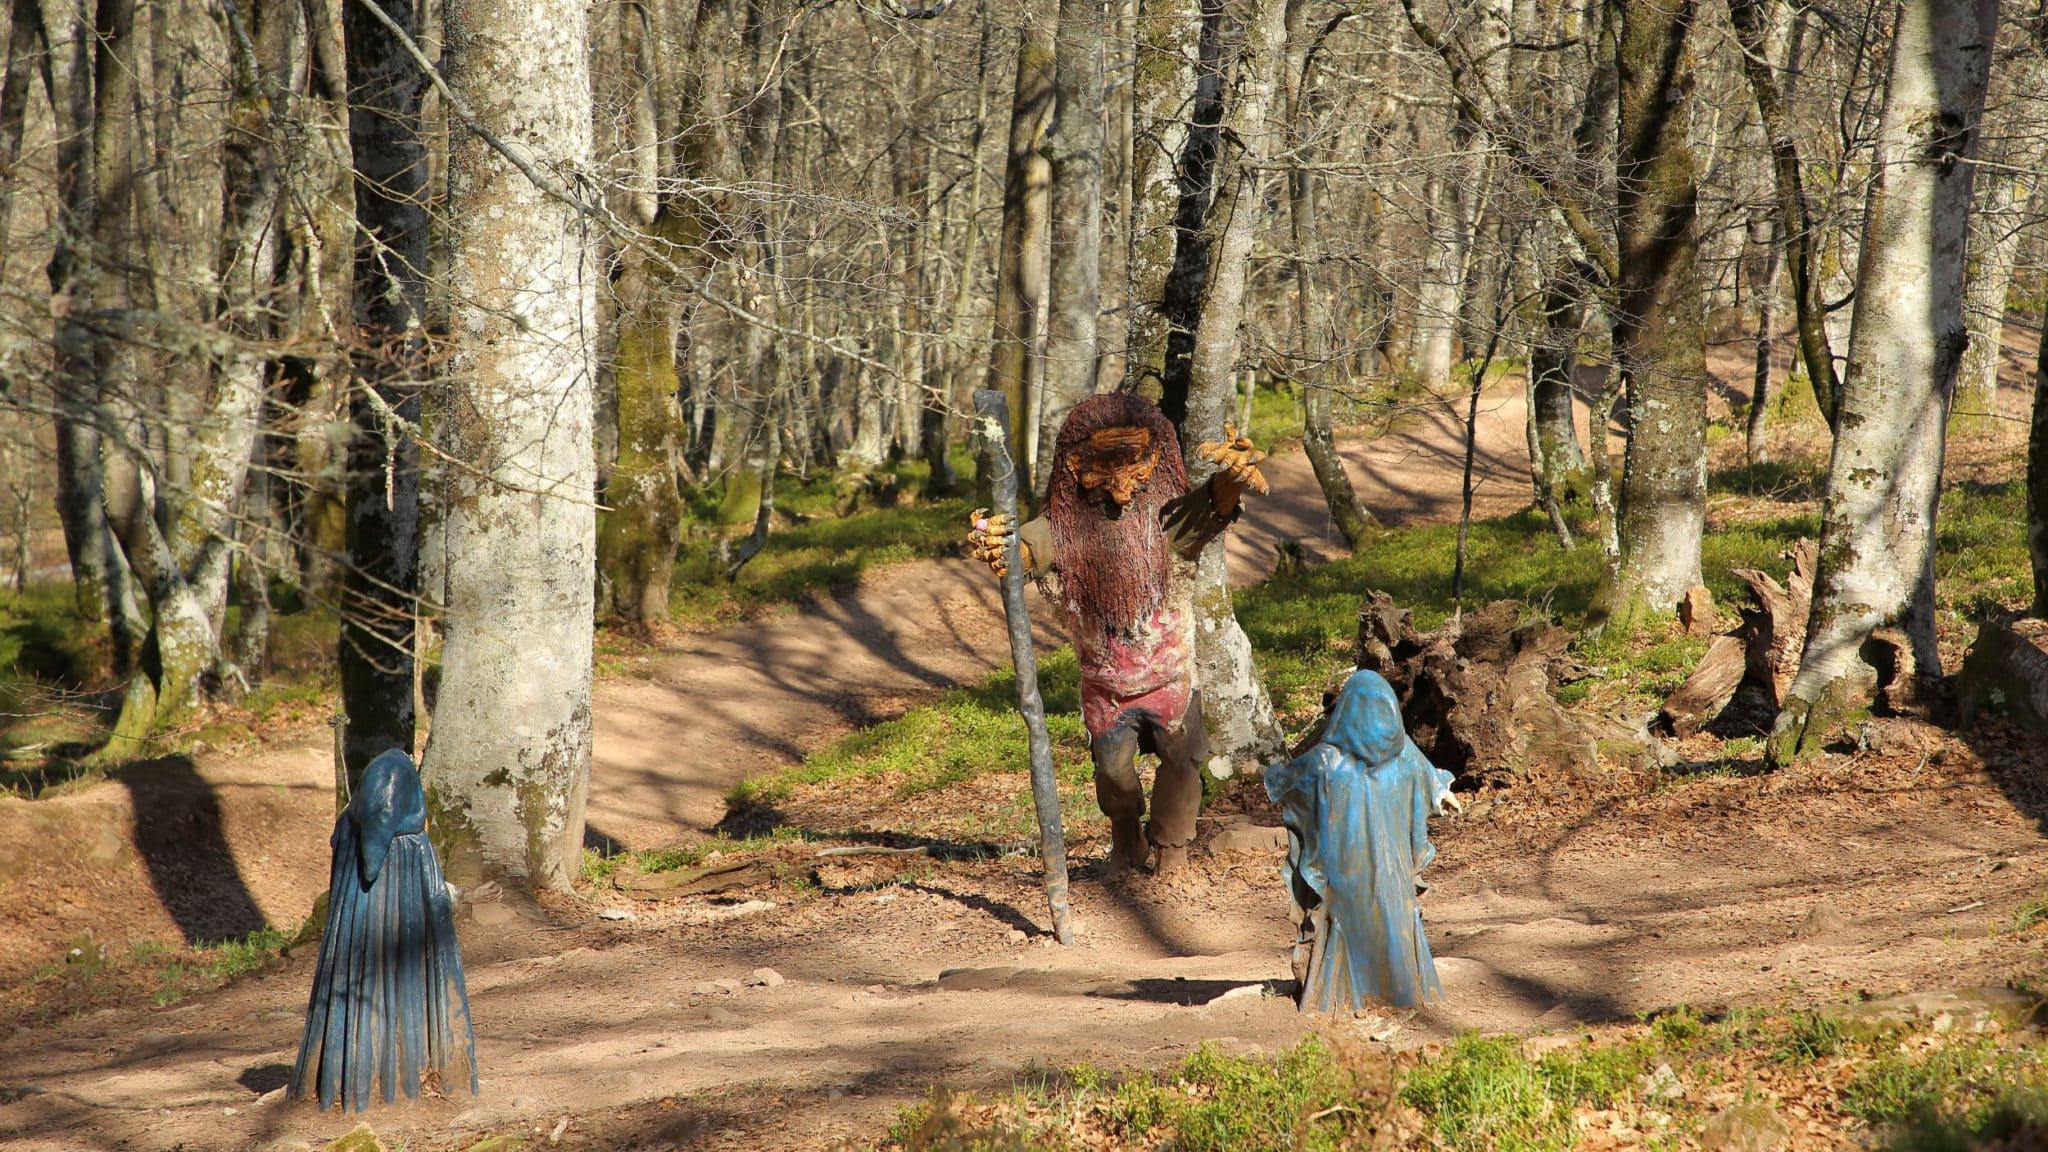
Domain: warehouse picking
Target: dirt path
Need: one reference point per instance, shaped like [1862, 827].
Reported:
[893, 976]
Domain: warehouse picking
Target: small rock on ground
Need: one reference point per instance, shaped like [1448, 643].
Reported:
[1249, 840]
[765, 978]
[1744, 1128]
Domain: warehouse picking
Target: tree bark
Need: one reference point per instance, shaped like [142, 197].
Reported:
[1020, 267]
[1884, 480]
[1165, 74]
[1075, 140]
[1660, 321]
[1234, 702]
[508, 763]
[1312, 310]
[1757, 450]
[379, 606]
[1994, 253]
[1795, 227]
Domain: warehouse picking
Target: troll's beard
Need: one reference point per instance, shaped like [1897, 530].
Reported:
[1114, 566]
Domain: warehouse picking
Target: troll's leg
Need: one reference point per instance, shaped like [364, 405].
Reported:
[1177, 790]
[1120, 794]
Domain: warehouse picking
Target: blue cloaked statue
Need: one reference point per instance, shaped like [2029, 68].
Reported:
[388, 1001]
[1357, 806]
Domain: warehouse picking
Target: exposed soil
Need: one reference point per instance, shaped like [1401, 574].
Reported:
[1877, 868]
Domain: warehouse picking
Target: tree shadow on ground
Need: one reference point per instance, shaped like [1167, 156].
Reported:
[180, 836]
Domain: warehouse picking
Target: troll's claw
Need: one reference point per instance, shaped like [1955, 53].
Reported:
[988, 540]
[1237, 458]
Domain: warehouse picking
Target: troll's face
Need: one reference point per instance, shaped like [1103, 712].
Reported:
[1114, 464]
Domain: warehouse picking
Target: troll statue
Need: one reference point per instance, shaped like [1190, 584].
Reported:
[1115, 549]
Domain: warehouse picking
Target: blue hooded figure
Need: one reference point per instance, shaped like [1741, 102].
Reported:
[1357, 807]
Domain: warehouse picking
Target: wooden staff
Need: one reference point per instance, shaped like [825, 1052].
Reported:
[993, 409]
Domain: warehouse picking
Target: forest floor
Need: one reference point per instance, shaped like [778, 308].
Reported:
[810, 1008]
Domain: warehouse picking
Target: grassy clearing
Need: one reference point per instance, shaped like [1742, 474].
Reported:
[1920, 1086]
[1303, 628]
[818, 550]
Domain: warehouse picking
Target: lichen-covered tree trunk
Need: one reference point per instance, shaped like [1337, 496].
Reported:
[1312, 310]
[1234, 702]
[180, 482]
[2037, 485]
[1660, 320]
[1440, 295]
[379, 605]
[1884, 480]
[1075, 141]
[507, 767]
[1020, 260]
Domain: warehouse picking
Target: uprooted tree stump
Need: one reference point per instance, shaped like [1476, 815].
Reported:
[1763, 649]
[1476, 694]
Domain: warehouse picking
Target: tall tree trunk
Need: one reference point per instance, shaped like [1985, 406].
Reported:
[1994, 252]
[1876, 564]
[1195, 220]
[2037, 485]
[508, 763]
[379, 607]
[642, 527]
[1165, 73]
[1020, 261]
[1312, 310]
[1234, 702]
[1795, 227]
[1757, 450]
[1440, 296]
[1075, 140]
[1660, 321]
[1560, 466]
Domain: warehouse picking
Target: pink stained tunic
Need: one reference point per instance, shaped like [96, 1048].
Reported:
[1145, 669]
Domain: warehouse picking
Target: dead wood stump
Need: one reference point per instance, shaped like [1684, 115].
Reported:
[1763, 649]
[1476, 694]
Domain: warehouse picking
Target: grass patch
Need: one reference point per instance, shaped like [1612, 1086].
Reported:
[91, 974]
[1305, 1099]
[1656, 1084]
[821, 551]
[964, 733]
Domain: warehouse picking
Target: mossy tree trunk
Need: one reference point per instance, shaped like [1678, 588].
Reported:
[1876, 565]
[507, 767]
[1660, 318]
[173, 492]
[1796, 228]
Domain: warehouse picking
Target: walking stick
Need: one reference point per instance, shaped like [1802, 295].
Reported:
[993, 409]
